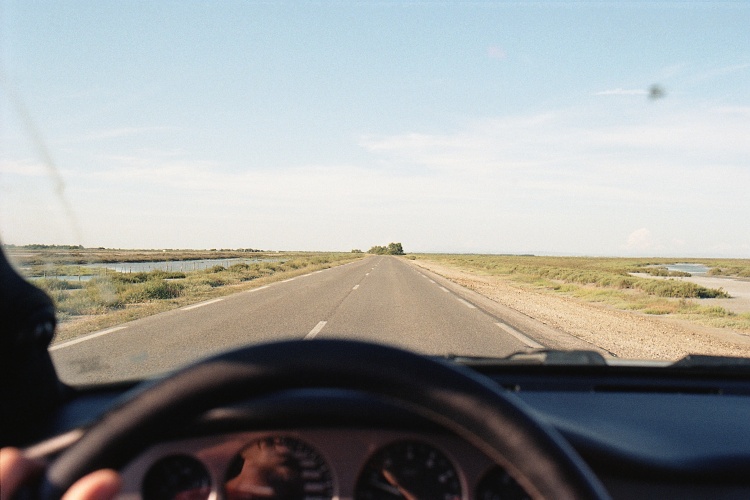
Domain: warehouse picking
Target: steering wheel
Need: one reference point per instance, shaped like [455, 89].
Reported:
[457, 398]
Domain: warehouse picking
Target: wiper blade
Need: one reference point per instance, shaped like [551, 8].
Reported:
[543, 357]
[713, 362]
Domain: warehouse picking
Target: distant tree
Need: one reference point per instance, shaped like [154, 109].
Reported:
[391, 249]
[395, 249]
[356, 250]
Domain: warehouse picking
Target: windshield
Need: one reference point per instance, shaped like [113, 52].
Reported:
[468, 178]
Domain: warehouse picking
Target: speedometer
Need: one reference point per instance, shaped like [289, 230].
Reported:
[278, 467]
[409, 469]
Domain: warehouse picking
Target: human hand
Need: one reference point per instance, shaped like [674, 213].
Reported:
[16, 469]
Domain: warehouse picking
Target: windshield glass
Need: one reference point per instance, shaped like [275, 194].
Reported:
[468, 178]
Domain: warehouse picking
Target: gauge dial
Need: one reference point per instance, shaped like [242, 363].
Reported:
[411, 470]
[497, 484]
[278, 467]
[177, 477]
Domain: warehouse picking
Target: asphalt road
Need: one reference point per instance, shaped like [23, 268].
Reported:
[381, 299]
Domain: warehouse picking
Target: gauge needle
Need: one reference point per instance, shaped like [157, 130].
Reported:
[394, 482]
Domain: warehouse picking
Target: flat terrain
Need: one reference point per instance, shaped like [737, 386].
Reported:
[430, 305]
[738, 288]
[624, 334]
[89, 297]
[381, 299]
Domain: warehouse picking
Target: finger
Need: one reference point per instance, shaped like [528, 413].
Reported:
[15, 469]
[100, 485]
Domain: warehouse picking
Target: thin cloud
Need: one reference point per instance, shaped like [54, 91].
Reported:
[496, 52]
[116, 133]
[620, 91]
[23, 168]
[720, 72]
[641, 240]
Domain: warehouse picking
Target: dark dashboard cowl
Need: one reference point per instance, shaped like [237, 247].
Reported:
[29, 387]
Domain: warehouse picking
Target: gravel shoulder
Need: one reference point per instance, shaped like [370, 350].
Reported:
[622, 333]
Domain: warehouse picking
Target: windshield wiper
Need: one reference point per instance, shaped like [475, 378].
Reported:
[713, 362]
[543, 357]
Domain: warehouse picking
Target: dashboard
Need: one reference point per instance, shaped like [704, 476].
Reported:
[651, 433]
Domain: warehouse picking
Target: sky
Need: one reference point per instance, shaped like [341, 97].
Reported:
[471, 127]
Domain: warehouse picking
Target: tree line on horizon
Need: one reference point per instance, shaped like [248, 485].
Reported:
[391, 249]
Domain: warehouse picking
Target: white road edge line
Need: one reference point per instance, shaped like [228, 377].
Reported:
[259, 288]
[315, 330]
[355, 287]
[87, 337]
[467, 304]
[290, 279]
[443, 289]
[520, 336]
[432, 281]
[201, 304]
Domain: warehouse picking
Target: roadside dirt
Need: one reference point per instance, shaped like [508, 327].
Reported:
[624, 334]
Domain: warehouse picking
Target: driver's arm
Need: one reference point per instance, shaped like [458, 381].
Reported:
[15, 470]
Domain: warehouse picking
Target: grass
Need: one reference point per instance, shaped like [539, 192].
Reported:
[736, 268]
[112, 298]
[609, 281]
[25, 257]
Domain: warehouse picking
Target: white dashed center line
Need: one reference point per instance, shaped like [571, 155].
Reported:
[520, 336]
[315, 330]
[467, 304]
[196, 306]
[355, 287]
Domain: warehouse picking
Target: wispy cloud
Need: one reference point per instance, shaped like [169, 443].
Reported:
[24, 168]
[496, 52]
[621, 91]
[721, 72]
[641, 240]
[563, 181]
[116, 133]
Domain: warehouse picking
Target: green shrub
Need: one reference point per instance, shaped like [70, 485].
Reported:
[130, 277]
[50, 284]
[160, 290]
[142, 277]
[212, 282]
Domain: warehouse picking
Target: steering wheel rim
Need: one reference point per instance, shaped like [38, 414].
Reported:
[459, 399]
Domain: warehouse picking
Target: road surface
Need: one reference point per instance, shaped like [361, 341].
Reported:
[382, 299]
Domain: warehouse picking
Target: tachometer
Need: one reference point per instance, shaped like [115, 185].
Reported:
[278, 467]
[411, 470]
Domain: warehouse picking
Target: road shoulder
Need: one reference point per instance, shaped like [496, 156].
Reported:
[623, 334]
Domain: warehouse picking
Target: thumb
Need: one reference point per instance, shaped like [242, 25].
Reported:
[100, 485]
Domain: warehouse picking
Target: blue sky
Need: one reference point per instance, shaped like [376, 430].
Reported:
[458, 127]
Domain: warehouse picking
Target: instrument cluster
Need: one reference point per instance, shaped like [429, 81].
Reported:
[316, 465]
